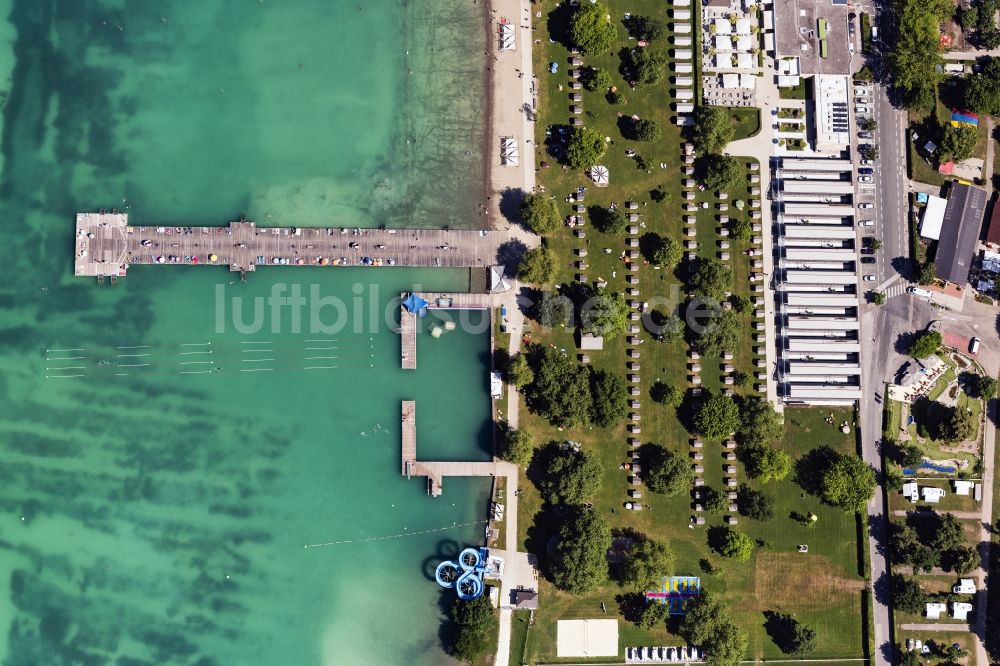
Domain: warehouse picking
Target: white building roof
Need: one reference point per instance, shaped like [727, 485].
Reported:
[934, 610]
[962, 487]
[723, 27]
[930, 223]
[723, 43]
[789, 66]
[730, 80]
[965, 586]
[744, 43]
[832, 101]
[587, 638]
[785, 81]
[744, 61]
[748, 81]
[910, 490]
[932, 495]
[960, 610]
[743, 26]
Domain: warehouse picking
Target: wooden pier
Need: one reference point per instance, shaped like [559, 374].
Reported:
[436, 471]
[435, 301]
[106, 246]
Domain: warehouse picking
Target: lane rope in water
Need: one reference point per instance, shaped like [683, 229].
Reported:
[394, 536]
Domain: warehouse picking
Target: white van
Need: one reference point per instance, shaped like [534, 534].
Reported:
[974, 345]
[917, 291]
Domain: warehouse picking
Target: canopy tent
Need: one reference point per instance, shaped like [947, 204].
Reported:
[508, 151]
[506, 37]
[599, 174]
[498, 281]
[415, 304]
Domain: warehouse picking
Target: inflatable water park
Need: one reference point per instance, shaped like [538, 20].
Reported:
[466, 575]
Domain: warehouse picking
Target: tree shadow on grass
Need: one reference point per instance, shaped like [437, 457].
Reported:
[780, 627]
[631, 605]
[717, 537]
[648, 243]
[558, 22]
[810, 467]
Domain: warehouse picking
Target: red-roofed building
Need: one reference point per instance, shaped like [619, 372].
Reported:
[947, 168]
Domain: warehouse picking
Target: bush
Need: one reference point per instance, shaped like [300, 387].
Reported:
[665, 472]
[540, 213]
[519, 371]
[668, 251]
[754, 504]
[714, 501]
[596, 79]
[666, 394]
[590, 30]
[648, 130]
[612, 221]
[736, 544]
[517, 447]
[476, 625]
[741, 230]
[585, 148]
[717, 417]
[927, 273]
[538, 266]
[958, 143]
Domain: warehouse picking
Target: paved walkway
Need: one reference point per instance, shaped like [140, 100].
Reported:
[761, 147]
[962, 515]
[944, 626]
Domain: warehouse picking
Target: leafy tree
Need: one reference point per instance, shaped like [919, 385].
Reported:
[915, 56]
[645, 66]
[604, 314]
[708, 624]
[671, 329]
[740, 230]
[907, 658]
[964, 560]
[609, 396]
[925, 345]
[596, 79]
[646, 563]
[714, 501]
[668, 251]
[961, 425]
[759, 423]
[612, 221]
[648, 130]
[742, 305]
[713, 129]
[519, 371]
[517, 447]
[791, 636]
[666, 394]
[927, 273]
[665, 472]
[967, 18]
[986, 387]
[723, 173]
[867, 123]
[848, 483]
[744, 379]
[538, 266]
[717, 417]
[754, 504]
[736, 544]
[982, 94]
[878, 297]
[653, 613]
[579, 562]
[868, 151]
[590, 30]
[904, 454]
[722, 331]
[645, 28]
[711, 278]
[907, 595]
[876, 244]
[958, 143]
[560, 391]
[555, 309]
[476, 625]
[585, 147]
[571, 477]
[540, 213]
[909, 549]
[764, 462]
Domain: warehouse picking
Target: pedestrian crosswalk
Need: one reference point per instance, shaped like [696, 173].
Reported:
[897, 289]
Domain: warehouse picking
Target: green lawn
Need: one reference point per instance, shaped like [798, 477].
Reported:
[824, 587]
[798, 92]
[929, 127]
[518, 637]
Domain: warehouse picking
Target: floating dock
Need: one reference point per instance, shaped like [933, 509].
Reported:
[106, 246]
[435, 301]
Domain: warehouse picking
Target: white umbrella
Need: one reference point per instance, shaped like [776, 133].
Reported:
[599, 174]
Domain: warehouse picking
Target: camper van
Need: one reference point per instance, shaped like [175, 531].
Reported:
[923, 293]
[974, 346]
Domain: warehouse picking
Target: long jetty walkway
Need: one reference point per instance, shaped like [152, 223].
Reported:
[435, 301]
[107, 246]
[436, 471]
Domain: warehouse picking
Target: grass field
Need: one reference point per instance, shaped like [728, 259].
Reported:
[518, 637]
[929, 127]
[824, 587]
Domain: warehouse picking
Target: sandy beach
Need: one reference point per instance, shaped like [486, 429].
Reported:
[512, 97]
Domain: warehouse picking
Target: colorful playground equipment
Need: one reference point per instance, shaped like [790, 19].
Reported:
[466, 575]
[675, 592]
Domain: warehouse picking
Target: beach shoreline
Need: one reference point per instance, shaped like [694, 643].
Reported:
[510, 102]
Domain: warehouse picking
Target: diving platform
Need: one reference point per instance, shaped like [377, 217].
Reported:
[435, 472]
[106, 245]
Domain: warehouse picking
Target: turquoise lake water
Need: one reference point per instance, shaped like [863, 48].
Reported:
[152, 513]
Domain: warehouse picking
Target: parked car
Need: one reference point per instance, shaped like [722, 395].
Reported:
[865, 179]
[917, 291]
[868, 162]
[866, 171]
[866, 223]
[869, 278]
[868, 260]
[865, 206]
[861, 109]
[865, 134]
[974, 346]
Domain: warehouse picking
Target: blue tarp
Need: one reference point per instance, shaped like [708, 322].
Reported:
[414, 303]
[921, 197]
